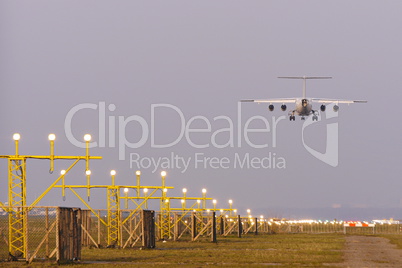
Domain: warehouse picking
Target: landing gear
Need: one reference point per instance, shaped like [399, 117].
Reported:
[292, 116]
[303, 118]
[315, 115]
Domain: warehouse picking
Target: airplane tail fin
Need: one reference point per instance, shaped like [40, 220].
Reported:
[304, 80]
[305, 77]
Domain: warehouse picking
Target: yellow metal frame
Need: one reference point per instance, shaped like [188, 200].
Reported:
[17, 216]
[17, 208]
[113, 216]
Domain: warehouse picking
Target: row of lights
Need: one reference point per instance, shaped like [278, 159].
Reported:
[87, 138]
[51, 137]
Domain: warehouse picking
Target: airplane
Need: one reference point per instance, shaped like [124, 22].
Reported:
[303, 105]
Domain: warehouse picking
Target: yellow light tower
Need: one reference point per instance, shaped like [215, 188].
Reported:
[204, 196]
[214, 203]
[183, 201]
[230, 207]
[17, 214]
[51, 138]
[165, 210]
[126, 190]
[184, 193]
[17, 206]
[63, 184]
[113, 212]
[145, 195]
[138, 175]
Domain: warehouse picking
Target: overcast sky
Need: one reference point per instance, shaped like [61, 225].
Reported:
[201, 58]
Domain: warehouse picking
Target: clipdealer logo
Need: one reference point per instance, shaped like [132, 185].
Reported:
[112, 134]
[330, 156]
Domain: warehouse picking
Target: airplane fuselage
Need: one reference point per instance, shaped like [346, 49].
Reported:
[303, 107]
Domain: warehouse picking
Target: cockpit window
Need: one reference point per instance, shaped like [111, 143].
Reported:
[304, 102]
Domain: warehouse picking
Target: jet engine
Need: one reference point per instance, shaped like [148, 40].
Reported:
[322, 108]
[271, 107]
[336, 108]
[283, 107]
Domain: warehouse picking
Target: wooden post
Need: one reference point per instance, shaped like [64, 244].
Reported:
[148, 228]
[193, 226]
[77, 232]
[213, 233]
[256, 226]
[69, 235]
[222, 225]
[240, 227]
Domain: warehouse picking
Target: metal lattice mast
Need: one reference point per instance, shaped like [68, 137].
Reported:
[17, 212]
[113, 213]
[165, 211]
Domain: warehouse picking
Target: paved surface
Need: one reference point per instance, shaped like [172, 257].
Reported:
[369, 251]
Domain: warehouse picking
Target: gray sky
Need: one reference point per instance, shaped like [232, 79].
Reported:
[203, 57]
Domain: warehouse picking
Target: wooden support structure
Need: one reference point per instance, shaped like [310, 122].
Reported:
[193, 226]
[148, 229]
[240, 227]
[86, 224]
[213, 233]
[256, 226]
[69, 234]
[222, 225]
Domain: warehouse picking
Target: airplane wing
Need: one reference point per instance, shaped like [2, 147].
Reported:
[285, 100]
[326, 101]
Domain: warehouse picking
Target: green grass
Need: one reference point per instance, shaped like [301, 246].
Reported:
[287, 250]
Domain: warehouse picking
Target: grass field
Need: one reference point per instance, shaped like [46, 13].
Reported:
[287, 250]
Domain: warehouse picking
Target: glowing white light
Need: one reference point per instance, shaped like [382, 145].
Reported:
[182, 201]
[163, 173]
[248, 211]
[138, 173]
[235, 211]
[184, 190]
[204, 191]
[165, 190]
[126, 190]
[51, 137]
[87, 137]
[113, 172]
[214, 201]
[145, 190]
[88, 172]
[230, 201]
[16, 137]
[198, 201]
[63, 172]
